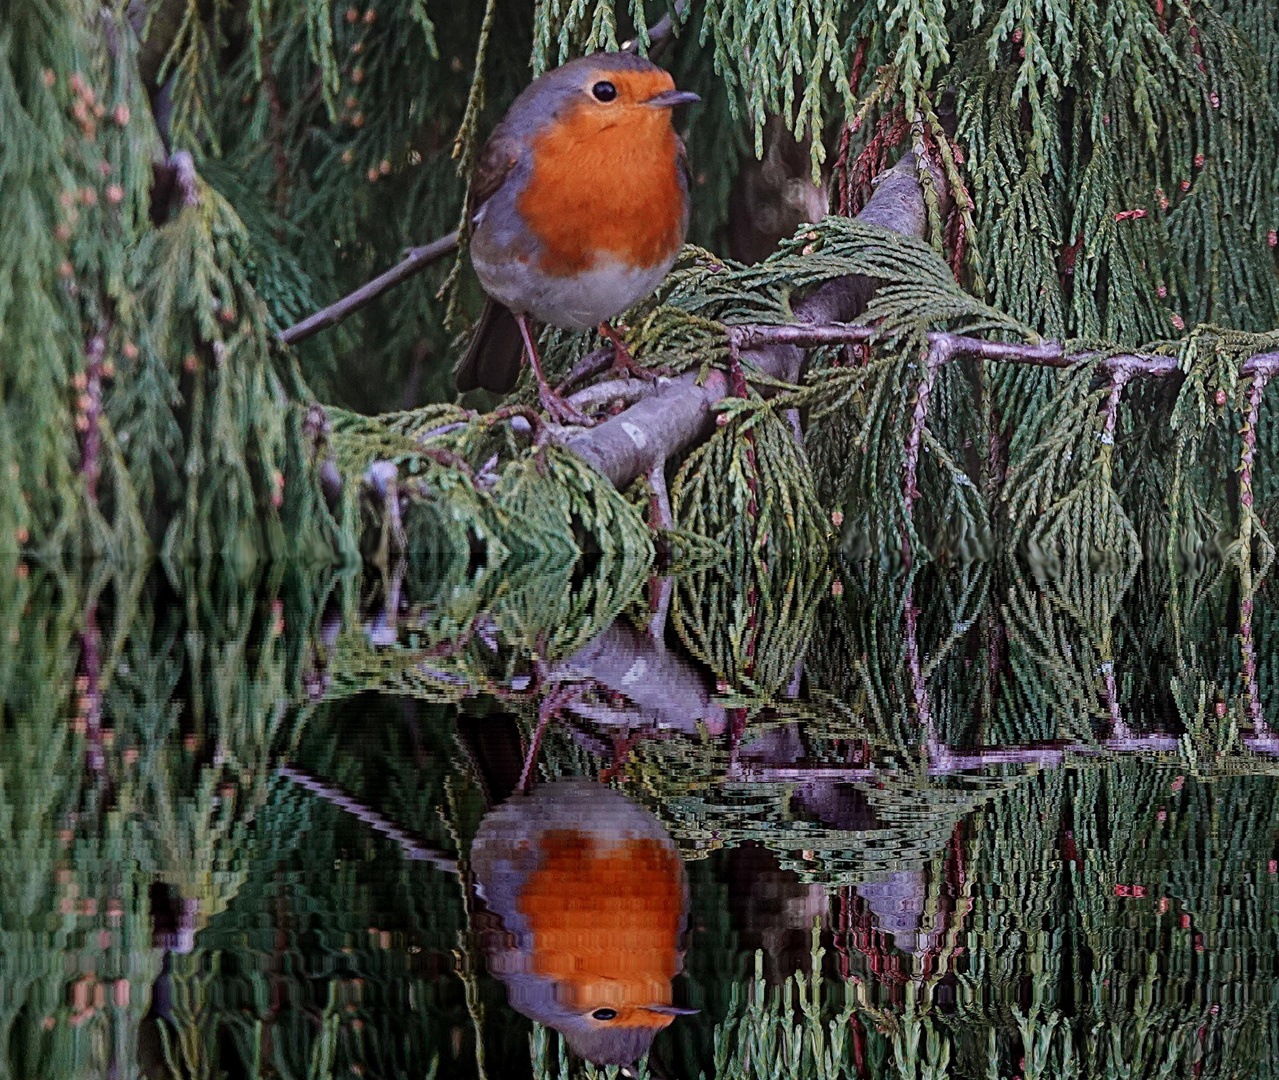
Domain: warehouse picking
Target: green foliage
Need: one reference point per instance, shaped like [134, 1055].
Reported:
[1111, 172]
[1074, 113]
[1079, 568]
[321, 947]
[725, 490]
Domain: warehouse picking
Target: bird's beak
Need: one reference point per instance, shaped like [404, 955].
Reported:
[668, 99]
[670, 1010]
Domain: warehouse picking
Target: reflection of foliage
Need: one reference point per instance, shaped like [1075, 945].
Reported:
[748, 616]
[137, 752]
[1043, 898]
[477, 635]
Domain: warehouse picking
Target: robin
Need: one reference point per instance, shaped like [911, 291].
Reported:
[579, 207]
[590, 898]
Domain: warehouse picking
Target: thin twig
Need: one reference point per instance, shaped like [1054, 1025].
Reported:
[1118, 379]
[659, 31]
[416, 260]
[552, 705]
[421, 257]
[939, 353]
[1044, 354]
[593, 363]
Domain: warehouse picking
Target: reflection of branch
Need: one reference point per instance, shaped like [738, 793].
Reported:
[1118, 728]
[660, 588]
[918, 683]
[412, 848]
[1247, 588]
[556, 700]
[945, 763]
[668, 690]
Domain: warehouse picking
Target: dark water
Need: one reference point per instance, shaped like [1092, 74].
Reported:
[970, 823]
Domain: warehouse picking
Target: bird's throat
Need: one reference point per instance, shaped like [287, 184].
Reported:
[605, 188]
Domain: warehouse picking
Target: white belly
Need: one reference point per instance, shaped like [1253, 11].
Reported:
[575, 303]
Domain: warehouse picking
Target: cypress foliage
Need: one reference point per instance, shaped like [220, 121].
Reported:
[1103, 171]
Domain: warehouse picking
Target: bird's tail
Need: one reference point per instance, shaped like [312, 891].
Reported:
[495, 354]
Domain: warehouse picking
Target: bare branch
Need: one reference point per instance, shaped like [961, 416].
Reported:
[416, 260]
[604, 394]
[681, 413]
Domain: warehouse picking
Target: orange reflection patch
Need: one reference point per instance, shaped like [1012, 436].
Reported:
[605, 922]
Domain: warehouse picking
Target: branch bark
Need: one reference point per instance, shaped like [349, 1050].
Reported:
[416, 260]
[667, 691]
[681, 413]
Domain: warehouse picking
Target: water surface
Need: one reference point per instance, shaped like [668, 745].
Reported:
[957, 823]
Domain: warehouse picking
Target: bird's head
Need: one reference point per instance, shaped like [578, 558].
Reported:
[608, 90]
[621, 1036]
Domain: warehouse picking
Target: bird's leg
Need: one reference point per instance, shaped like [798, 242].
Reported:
[559, 409]
[552, 705]
[622, 747]
[623, 361]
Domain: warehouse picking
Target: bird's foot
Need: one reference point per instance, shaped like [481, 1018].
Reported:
[622, 747]
[558, 409]
[623, 362]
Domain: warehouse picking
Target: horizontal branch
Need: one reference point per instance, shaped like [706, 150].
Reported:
[604, 394]
[681, 413]
[945, 346]
[944, 762]
[417, 260]
[667, 690]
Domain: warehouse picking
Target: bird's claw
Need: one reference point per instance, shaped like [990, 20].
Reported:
[559, 410]
[626, 365]
[623, 362]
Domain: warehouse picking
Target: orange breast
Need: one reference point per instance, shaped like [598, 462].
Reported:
[605, 920]
[605, 186]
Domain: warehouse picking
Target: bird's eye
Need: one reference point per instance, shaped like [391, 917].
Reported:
[604, 91]
[604, 1014]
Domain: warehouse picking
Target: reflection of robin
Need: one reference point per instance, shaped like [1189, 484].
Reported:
[580, 205]
[591, 896]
